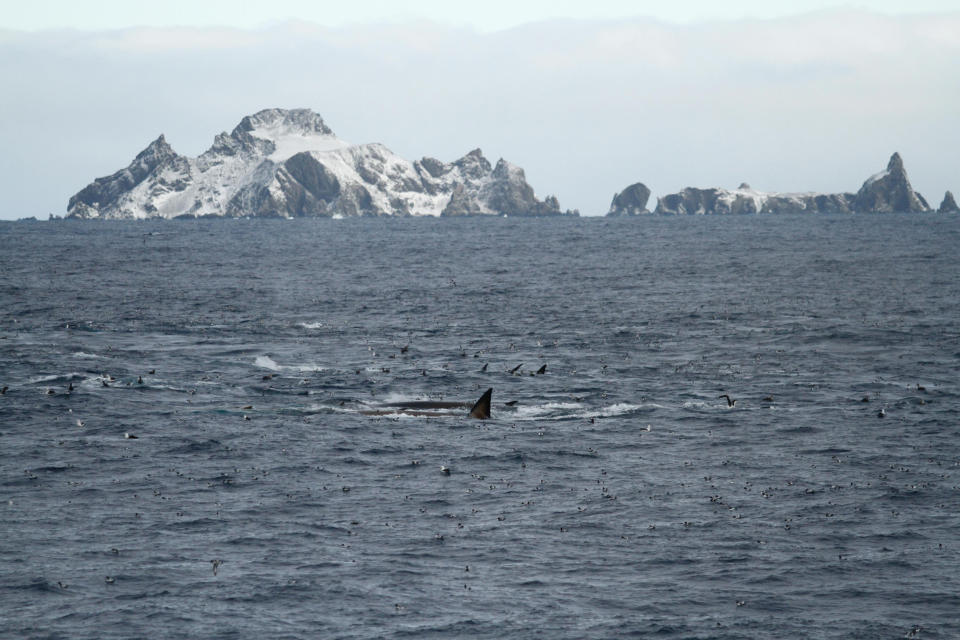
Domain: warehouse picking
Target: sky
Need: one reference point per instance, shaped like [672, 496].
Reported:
[492, 14]
[586, 97]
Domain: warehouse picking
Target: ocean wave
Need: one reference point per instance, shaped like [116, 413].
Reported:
[572, 410]
[266, 362]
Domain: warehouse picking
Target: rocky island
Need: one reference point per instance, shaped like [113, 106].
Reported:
[948, 205]
[887, 191]
[282, 163]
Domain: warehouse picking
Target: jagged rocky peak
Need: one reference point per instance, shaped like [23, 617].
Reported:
[288, 163]
[631, 201]
[509, 171]
[158, 150]
[271, 132]
[473, 165]
[302, 121]
[889, 192]
[949, 205]
[507, 191]
[896, 163]
[109, 191]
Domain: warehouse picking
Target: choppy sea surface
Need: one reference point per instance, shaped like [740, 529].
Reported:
[616, 496]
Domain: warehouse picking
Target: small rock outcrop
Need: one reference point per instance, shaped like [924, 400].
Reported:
[632, 201]
[949, 205]
[288, 163]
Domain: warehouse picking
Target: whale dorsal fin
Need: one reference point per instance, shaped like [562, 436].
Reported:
[481, 410]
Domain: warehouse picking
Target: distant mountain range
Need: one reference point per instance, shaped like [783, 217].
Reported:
[287, 163]
[281, 163]
[887, 191]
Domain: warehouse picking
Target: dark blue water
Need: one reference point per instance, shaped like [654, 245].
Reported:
[619, 497]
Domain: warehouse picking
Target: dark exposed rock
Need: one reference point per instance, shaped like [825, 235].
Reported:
[356, 201]
[504, 191]
[461, 204]
[473, 165]
[889, 192]
[107, 191]
[749, 201]
[689, 201]
[833, 202]
[433, 166]
[308, 187]
[313, 177]
[808, 203]
[949, 205]
[631, 201]
[508, 193]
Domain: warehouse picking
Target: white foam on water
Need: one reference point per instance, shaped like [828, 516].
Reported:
[618, 409]
[266, 362]
[43, 379]
[530, 412]
[395, 397]
[567, 410]
[94, 382]
[308, 368]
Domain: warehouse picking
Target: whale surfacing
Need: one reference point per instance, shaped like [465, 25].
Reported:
[481, 410]
[431, 409]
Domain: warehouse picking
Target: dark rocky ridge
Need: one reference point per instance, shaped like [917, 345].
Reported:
[887, 191]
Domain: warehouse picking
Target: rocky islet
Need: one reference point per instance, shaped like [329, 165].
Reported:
[885, 192]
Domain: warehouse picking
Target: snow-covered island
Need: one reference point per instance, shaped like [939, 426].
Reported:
[287, 163]
[887, 191]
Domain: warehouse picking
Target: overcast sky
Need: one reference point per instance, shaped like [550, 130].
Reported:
[489, 15]
[788, 96]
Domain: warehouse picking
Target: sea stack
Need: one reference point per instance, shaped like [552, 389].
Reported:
[632, 201]
[889, 192]
[949, 205]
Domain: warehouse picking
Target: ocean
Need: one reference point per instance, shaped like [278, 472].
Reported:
[614, 495]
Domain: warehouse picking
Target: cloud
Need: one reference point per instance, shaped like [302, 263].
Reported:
[196, 40]
[586, 107]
